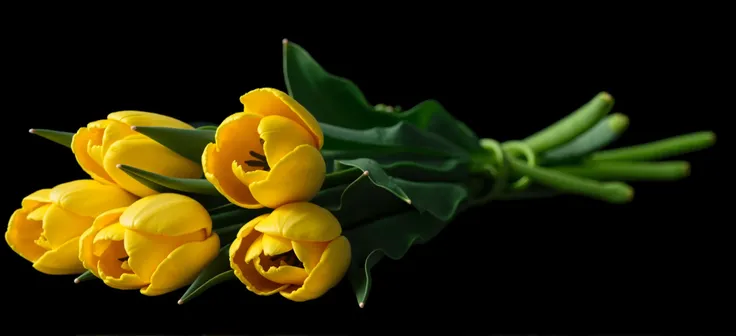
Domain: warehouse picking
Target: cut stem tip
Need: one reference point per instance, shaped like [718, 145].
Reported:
[366, 173]
[76, 281]
[361, 305]
[284, 41]
[118, 166]
[133, 128]
[31, 131]
[180, 302]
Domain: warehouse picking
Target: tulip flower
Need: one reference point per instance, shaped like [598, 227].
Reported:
[46, 229]
[104, 144]
[157, 245]
[297, 250]
[267, 155]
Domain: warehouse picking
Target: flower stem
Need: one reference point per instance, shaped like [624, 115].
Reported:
[659, 149]
[571, 126]
[629, 171]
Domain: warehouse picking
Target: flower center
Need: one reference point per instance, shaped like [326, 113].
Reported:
[288, 258]
[260, 160]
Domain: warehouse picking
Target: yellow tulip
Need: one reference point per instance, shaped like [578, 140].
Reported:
[46, 229]
[157, 245]
[297, 250]
[267, 155]
[104, 144]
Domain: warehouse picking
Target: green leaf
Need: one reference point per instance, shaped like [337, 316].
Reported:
[419, 171]
[228, 233]
[238, 216]
[189, 143]
[208, 128]
[61, 138]
[187, 185]
[392, 237]
[337, 101]
[438, 198]
[88, 275]
[218, 271]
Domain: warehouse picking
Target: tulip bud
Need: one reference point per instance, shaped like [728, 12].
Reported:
[104, 144]
[158, 244]
[297, 250]
[267, 155]
[46, 229]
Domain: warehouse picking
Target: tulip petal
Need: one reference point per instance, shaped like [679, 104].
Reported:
[280, 136]
[236, 136]
[114, 131]
[269, 101]
[22, 233]
[35, 199]
[87, 254]
[143, 153]
[90, 198]
[80, 143]
[246, 272]
[125, 281]
[273, 245]
[248, 177]
[60, 225]
[283, 274]
[140, 118]
[301, 221]
[308, 253]
[296, 178]
[61, 261]
[111, 232]
[255, 249]
[147, 251]
[167, 214]
[331, 269]
[182, 266]
[39, 213]
[110, 263]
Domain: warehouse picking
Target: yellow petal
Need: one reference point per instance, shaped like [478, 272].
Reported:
[255, 249]
[39, 213]
[140, 118]
[90, 198]
[110, 263]
[281, 135]
[114, 131]
[246, 272]
[143, 153]
[61, 261]
[111, 232]
[182, 266]
[273, 245]
[147, 251]
[86, 242]
[125, 281]
[301, 221]
[236, 136]
[248, 177]
[35, 199]
[79, 146]
[296, 178]
[269, 101]
[283, 274]
[167, 214]
[329, 271]
[308, 253]
[22, 233]
[60, 225]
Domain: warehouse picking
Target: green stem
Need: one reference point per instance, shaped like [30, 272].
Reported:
[629, 171]
[602, 134]
[571, 126]
[659, 149]
[614, 192]
[88, 275]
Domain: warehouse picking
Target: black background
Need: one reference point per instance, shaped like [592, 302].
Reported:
[662, 262]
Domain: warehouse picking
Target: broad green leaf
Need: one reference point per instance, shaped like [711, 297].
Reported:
[337, 101]
[420, 171]
[187, 185]
[390, 236]
[597, 137]
[237, 216]
[398, 139]
[218, 271]
[61, 138]
[202, 124]
[189, 143]
[438, 198]
[228, 233]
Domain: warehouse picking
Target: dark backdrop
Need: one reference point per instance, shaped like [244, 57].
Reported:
[662, 262]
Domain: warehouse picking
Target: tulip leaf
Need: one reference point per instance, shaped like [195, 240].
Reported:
[228, 233]
[338, 101]
[218, 271]
[441, 199]
[61, 138]
[189, 143]
[421, 171]
[188, 185]
[390, 236]
[208, 128]
[238, 216]
[88, 275]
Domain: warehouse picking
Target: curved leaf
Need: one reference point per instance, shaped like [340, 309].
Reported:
[189, 143]
[187, 185]
[392, 237]
[61, 138]
[218, 271]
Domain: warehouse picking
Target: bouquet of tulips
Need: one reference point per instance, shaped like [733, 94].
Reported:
[303, 189]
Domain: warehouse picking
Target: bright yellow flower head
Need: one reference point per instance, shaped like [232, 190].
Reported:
[46, 229]
[104, 144]
[158, 244]
[267, 155]
[297, 250]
